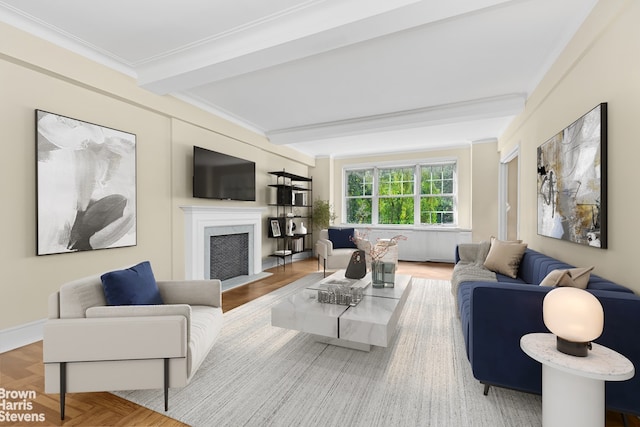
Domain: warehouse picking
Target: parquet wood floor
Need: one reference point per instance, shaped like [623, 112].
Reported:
[22, 369]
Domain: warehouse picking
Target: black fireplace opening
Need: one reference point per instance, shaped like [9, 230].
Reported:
[229, 256]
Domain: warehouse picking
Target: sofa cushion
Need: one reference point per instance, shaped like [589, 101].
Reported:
[557, 278]
[132, 286]
[342, 238]
[572, 277]
[505, 257]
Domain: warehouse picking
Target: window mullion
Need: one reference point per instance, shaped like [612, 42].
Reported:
[374, 196]
[417, 190]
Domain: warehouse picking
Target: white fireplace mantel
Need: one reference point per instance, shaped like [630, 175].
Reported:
[198, 218]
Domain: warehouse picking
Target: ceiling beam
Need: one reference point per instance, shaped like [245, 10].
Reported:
[498, 106]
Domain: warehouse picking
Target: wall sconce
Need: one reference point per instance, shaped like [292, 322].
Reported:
[576, 318]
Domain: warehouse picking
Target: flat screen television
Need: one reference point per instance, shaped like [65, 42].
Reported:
[221, 176]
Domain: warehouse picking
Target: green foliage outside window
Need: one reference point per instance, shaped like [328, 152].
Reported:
[359, 211]
[359, 196]
[395, 210]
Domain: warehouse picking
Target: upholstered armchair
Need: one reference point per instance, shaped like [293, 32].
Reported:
[90, 345]
[335, 246]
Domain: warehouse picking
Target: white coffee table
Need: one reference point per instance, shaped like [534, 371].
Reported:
[372, 322]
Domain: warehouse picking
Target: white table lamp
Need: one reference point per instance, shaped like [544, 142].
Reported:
[575, 316]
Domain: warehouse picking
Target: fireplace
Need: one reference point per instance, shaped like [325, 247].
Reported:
[205, 231]
[221, 265]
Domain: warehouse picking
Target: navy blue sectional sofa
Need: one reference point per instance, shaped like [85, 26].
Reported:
[495, 315]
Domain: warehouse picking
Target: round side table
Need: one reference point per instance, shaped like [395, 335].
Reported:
[573, 387]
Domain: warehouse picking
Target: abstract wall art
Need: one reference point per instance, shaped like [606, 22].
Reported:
[86, 185]
[572, 181]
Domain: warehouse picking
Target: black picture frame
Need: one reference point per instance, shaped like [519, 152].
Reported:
[275, 228]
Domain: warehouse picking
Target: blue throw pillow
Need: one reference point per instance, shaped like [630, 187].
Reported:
[341, 238]
[133, 286]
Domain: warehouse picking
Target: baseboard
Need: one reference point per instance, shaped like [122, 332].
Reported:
[21, 335]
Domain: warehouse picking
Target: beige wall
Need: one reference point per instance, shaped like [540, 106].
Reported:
[484, 182]
[600, 64]
[38, 75]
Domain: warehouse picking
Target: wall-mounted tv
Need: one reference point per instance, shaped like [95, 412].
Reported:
[221, 176]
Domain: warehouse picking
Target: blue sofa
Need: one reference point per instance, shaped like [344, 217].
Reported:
[495, 315]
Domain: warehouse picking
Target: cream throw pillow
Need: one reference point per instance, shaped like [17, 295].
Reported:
[574, 277]
[505, 257]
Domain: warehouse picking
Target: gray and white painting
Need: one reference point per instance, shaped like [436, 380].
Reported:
[572, 182]
[86, 185]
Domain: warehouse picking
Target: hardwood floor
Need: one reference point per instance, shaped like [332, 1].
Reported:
[22, 369]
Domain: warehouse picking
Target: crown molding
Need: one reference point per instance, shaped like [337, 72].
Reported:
[55, 35]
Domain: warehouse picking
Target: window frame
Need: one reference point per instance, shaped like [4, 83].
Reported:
[417, 190]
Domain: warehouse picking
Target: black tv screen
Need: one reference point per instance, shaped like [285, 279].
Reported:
[221, 176]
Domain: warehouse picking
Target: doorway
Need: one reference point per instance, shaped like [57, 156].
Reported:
[508, 197]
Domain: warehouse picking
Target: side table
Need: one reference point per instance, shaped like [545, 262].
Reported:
[573, 387]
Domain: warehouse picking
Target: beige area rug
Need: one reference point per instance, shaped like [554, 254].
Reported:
[260, 375]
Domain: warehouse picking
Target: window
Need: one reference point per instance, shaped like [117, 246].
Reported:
[422, 193]
[437, 194]
[395, 195]
[359, 196]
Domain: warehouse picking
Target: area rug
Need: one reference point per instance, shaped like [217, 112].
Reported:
[260, 375]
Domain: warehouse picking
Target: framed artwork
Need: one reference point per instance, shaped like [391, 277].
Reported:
[275, 228]
[572, 181]
[86, 185]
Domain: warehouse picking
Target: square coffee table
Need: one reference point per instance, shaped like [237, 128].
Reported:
[371, 322]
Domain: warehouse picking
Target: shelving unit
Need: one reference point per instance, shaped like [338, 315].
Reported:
[294, 201]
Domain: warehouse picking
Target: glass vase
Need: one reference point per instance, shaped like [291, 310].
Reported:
[383, 274]
[377, 274]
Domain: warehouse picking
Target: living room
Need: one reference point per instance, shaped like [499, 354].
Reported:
[598, 65]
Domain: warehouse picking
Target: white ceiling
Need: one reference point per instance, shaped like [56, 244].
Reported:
[326, 77]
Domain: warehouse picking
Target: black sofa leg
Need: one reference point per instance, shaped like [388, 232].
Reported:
[63, 387]
[486, 389]
[166, 384]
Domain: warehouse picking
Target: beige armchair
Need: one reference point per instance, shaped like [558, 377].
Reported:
[89, 346]
[331, 257]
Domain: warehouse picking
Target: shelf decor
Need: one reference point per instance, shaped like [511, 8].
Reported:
[86, 185]
[275, 228]
[572, 181]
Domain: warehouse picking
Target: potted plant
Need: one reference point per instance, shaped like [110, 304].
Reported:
[323, 214]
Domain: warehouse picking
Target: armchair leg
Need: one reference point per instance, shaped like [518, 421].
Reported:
[63, 387]
[166, 384]
[324, 267]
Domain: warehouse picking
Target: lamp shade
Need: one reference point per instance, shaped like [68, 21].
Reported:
[573, 314]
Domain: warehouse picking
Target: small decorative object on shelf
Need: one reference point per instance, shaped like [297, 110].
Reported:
[290, 227]
[301, 229]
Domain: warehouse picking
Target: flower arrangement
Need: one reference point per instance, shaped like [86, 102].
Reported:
[377, 250]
